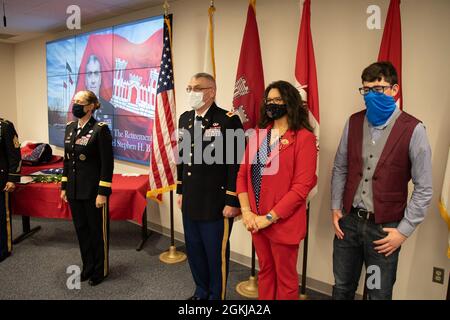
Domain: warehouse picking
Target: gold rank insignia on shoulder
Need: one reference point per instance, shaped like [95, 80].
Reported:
[70, 122]
[16, 142]
[230, 113]
[101, 124]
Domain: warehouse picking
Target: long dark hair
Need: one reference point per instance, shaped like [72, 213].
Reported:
[297, 111]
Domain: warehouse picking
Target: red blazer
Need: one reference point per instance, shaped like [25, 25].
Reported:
[289, 176]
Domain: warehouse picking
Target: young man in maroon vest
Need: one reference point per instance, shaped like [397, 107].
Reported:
[381, 149]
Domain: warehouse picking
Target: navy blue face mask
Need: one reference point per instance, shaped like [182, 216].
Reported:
[276, 111]
[379, 107]
[78, 110]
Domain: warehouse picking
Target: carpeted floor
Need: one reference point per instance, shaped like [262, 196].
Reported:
[37, 268]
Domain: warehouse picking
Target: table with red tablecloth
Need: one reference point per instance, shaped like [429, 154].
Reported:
[127, 202]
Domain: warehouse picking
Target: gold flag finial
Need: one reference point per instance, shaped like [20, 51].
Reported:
[166, 7]
[212, 3]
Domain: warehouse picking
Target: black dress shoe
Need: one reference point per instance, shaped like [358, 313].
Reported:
[3, 258]
[96, 281]
[85, 276]
[194, 297]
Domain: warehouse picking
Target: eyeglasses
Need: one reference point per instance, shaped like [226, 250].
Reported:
[277, 100]
[196, 89]
[377, 89]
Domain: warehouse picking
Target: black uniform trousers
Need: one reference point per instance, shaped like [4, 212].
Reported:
[208, 252]
[92, 227]
[5, 226]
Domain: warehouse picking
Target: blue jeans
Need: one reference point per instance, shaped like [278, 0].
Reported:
[357, 248]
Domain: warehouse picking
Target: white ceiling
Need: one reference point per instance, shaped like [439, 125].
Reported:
[27, 19]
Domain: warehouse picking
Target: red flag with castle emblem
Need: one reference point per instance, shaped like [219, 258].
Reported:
[249, 86]
[391, 44]
[305, 72]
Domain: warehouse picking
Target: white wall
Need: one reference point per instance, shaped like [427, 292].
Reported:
[343, 47]
[8, 108]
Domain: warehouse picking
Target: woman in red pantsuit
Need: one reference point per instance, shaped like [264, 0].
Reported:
[274, 180]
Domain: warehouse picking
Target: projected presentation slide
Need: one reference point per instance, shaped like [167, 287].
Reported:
[120, 65]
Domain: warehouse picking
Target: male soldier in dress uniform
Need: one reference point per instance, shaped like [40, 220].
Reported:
[86, 184]
[206, 189]
[10, 162]
[93, 82]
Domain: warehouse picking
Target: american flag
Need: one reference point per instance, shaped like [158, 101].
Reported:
[162, 160]
[49, 171]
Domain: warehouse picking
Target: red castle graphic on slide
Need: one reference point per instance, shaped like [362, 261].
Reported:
[129, 81]
[139, 58]
[131, 94]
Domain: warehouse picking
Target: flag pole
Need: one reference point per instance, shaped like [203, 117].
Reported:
[448, 287]
[246, 103]
[249, 288]
[171, 256]
[303, 295]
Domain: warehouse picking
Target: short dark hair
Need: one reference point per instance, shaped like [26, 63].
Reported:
[380, 70]
[298, 116]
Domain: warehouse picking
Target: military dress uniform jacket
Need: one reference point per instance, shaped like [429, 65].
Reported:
[10, 158]
[88, 160]
[207, 188]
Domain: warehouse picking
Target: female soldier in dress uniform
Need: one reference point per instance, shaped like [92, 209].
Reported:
[86, 184]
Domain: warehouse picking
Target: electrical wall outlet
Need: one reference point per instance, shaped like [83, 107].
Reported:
[438, 275]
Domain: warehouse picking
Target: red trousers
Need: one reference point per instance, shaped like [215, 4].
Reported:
[277, 278]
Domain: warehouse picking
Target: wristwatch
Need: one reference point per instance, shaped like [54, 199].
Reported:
[269, 217]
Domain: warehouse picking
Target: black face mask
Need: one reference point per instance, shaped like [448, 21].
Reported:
[276, 111]
[78, 110]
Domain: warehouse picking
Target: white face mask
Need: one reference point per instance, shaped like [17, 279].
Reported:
[195, 100]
